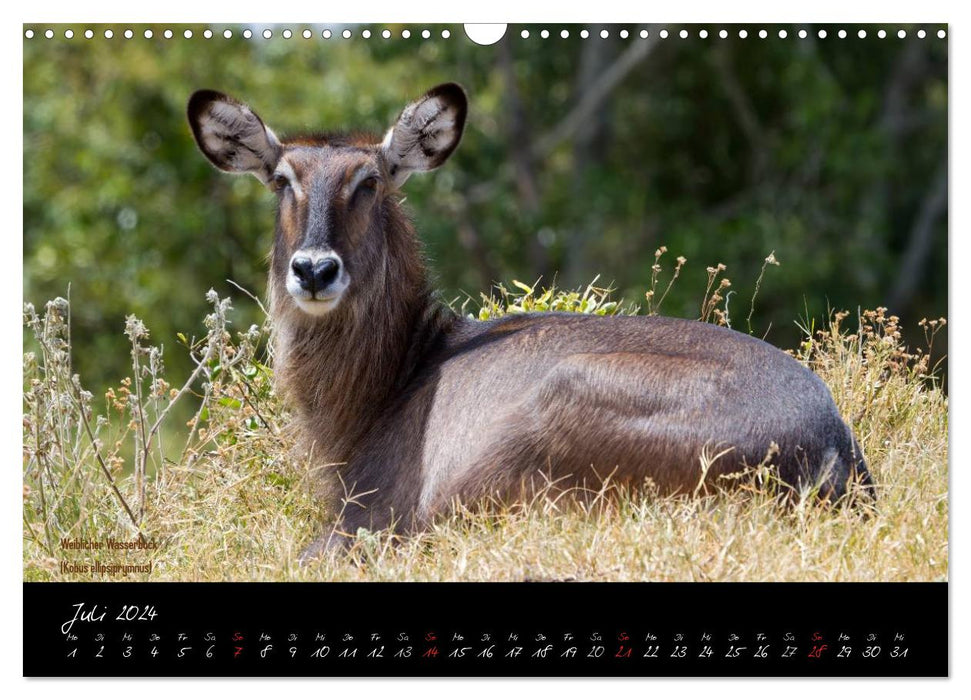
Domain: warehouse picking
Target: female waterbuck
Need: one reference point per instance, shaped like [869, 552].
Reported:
[418, 406]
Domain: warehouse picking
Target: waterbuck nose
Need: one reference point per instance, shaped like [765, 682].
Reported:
[315, 276]
[303, 270]
[325, 272]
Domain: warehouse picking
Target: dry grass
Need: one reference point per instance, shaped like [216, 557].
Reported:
[234, 503]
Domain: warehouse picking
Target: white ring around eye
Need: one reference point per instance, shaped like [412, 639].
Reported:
[285, 170]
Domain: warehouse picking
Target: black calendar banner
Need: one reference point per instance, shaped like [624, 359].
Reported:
[514, 629]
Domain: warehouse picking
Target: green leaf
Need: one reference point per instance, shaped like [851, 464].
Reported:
[278, 480]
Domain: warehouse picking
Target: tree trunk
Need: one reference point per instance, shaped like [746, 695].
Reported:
[589, 145]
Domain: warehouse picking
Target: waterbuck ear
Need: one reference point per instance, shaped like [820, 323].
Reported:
[426, 133]
[232, 136]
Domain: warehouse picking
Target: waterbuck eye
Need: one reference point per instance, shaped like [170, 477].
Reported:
[279, 182]
[365, 189]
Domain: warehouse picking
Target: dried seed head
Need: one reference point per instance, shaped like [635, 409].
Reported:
[135, 329]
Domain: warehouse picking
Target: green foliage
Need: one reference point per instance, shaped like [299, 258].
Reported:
[824, 151]
[592, 300]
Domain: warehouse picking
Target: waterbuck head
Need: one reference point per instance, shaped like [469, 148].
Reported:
[336, 194]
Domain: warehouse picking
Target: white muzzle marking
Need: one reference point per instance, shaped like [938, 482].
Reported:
[320, 301]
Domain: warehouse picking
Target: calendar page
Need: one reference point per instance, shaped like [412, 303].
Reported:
[485, 350]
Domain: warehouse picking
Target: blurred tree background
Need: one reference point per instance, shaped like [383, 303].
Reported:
[581, 157]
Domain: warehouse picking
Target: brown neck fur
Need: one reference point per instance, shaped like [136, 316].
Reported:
[342, 370]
